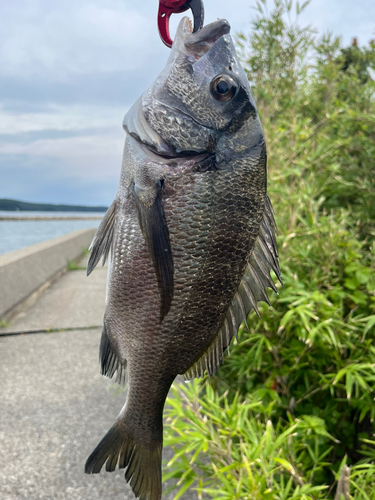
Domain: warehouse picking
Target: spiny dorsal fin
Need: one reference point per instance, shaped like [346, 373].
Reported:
[102, 240]
[263, 259]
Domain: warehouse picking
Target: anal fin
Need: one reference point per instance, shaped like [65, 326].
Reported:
[109, 360]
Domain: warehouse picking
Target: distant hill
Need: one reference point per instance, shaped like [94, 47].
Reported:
[15, 205]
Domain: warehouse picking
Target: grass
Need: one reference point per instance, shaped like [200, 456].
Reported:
[291, 411]
[74, 265]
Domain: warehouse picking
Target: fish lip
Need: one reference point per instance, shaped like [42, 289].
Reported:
[199, 43]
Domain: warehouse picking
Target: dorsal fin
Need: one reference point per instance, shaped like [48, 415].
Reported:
[102, 240]
[263, 259]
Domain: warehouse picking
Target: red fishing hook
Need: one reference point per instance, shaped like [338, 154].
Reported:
[169, 7]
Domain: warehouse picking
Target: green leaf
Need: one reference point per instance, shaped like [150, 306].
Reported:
[287, 465]
[363, 275]
[370, 323]
[186, 486]
[351, 283]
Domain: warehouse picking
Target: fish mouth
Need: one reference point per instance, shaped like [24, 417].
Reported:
[199, 43]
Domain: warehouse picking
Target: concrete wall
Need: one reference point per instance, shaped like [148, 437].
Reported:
[24, 271]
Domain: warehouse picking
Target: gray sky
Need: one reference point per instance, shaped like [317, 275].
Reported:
[70, 69]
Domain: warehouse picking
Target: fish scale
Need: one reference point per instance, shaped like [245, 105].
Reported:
[192, 238]
[219, 278]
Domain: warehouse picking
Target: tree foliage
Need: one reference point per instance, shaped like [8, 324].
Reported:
[293, 404]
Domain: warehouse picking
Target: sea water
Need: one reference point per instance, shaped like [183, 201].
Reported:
[23, 233]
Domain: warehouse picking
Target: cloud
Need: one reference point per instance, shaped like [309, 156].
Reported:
[39, 179]
[343, 17]
[70, 70]
[70, 38]
[60, 151]
[60, 117]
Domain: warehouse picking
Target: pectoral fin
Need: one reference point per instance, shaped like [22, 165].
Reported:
[101, 244]
[154, 228]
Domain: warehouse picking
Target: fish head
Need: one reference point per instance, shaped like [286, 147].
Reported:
[201, 94]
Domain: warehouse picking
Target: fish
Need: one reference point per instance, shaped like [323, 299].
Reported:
[190, 238]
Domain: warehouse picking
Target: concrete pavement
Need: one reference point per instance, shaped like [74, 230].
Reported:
[73, 301]
[55, 405]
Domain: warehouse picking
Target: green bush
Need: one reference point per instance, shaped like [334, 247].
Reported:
[294, 402]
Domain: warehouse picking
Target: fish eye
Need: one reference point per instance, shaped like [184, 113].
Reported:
[223, 88]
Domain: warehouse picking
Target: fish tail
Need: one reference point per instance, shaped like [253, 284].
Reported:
[143, 463]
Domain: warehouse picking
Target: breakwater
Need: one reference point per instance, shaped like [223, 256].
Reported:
[24, 271]
[2, 218]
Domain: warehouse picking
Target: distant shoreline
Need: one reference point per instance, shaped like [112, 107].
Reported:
[22, 206]
[5, 218]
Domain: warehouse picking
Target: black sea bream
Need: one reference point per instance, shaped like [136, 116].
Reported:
[192, 240]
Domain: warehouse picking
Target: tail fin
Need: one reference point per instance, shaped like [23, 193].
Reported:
[143, 464]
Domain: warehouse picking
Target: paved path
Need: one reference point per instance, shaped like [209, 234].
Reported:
[55, 405]
[74, 301]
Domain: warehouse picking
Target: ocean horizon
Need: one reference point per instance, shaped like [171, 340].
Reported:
[17, 234]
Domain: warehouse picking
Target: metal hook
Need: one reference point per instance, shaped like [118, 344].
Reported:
[169, 7]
